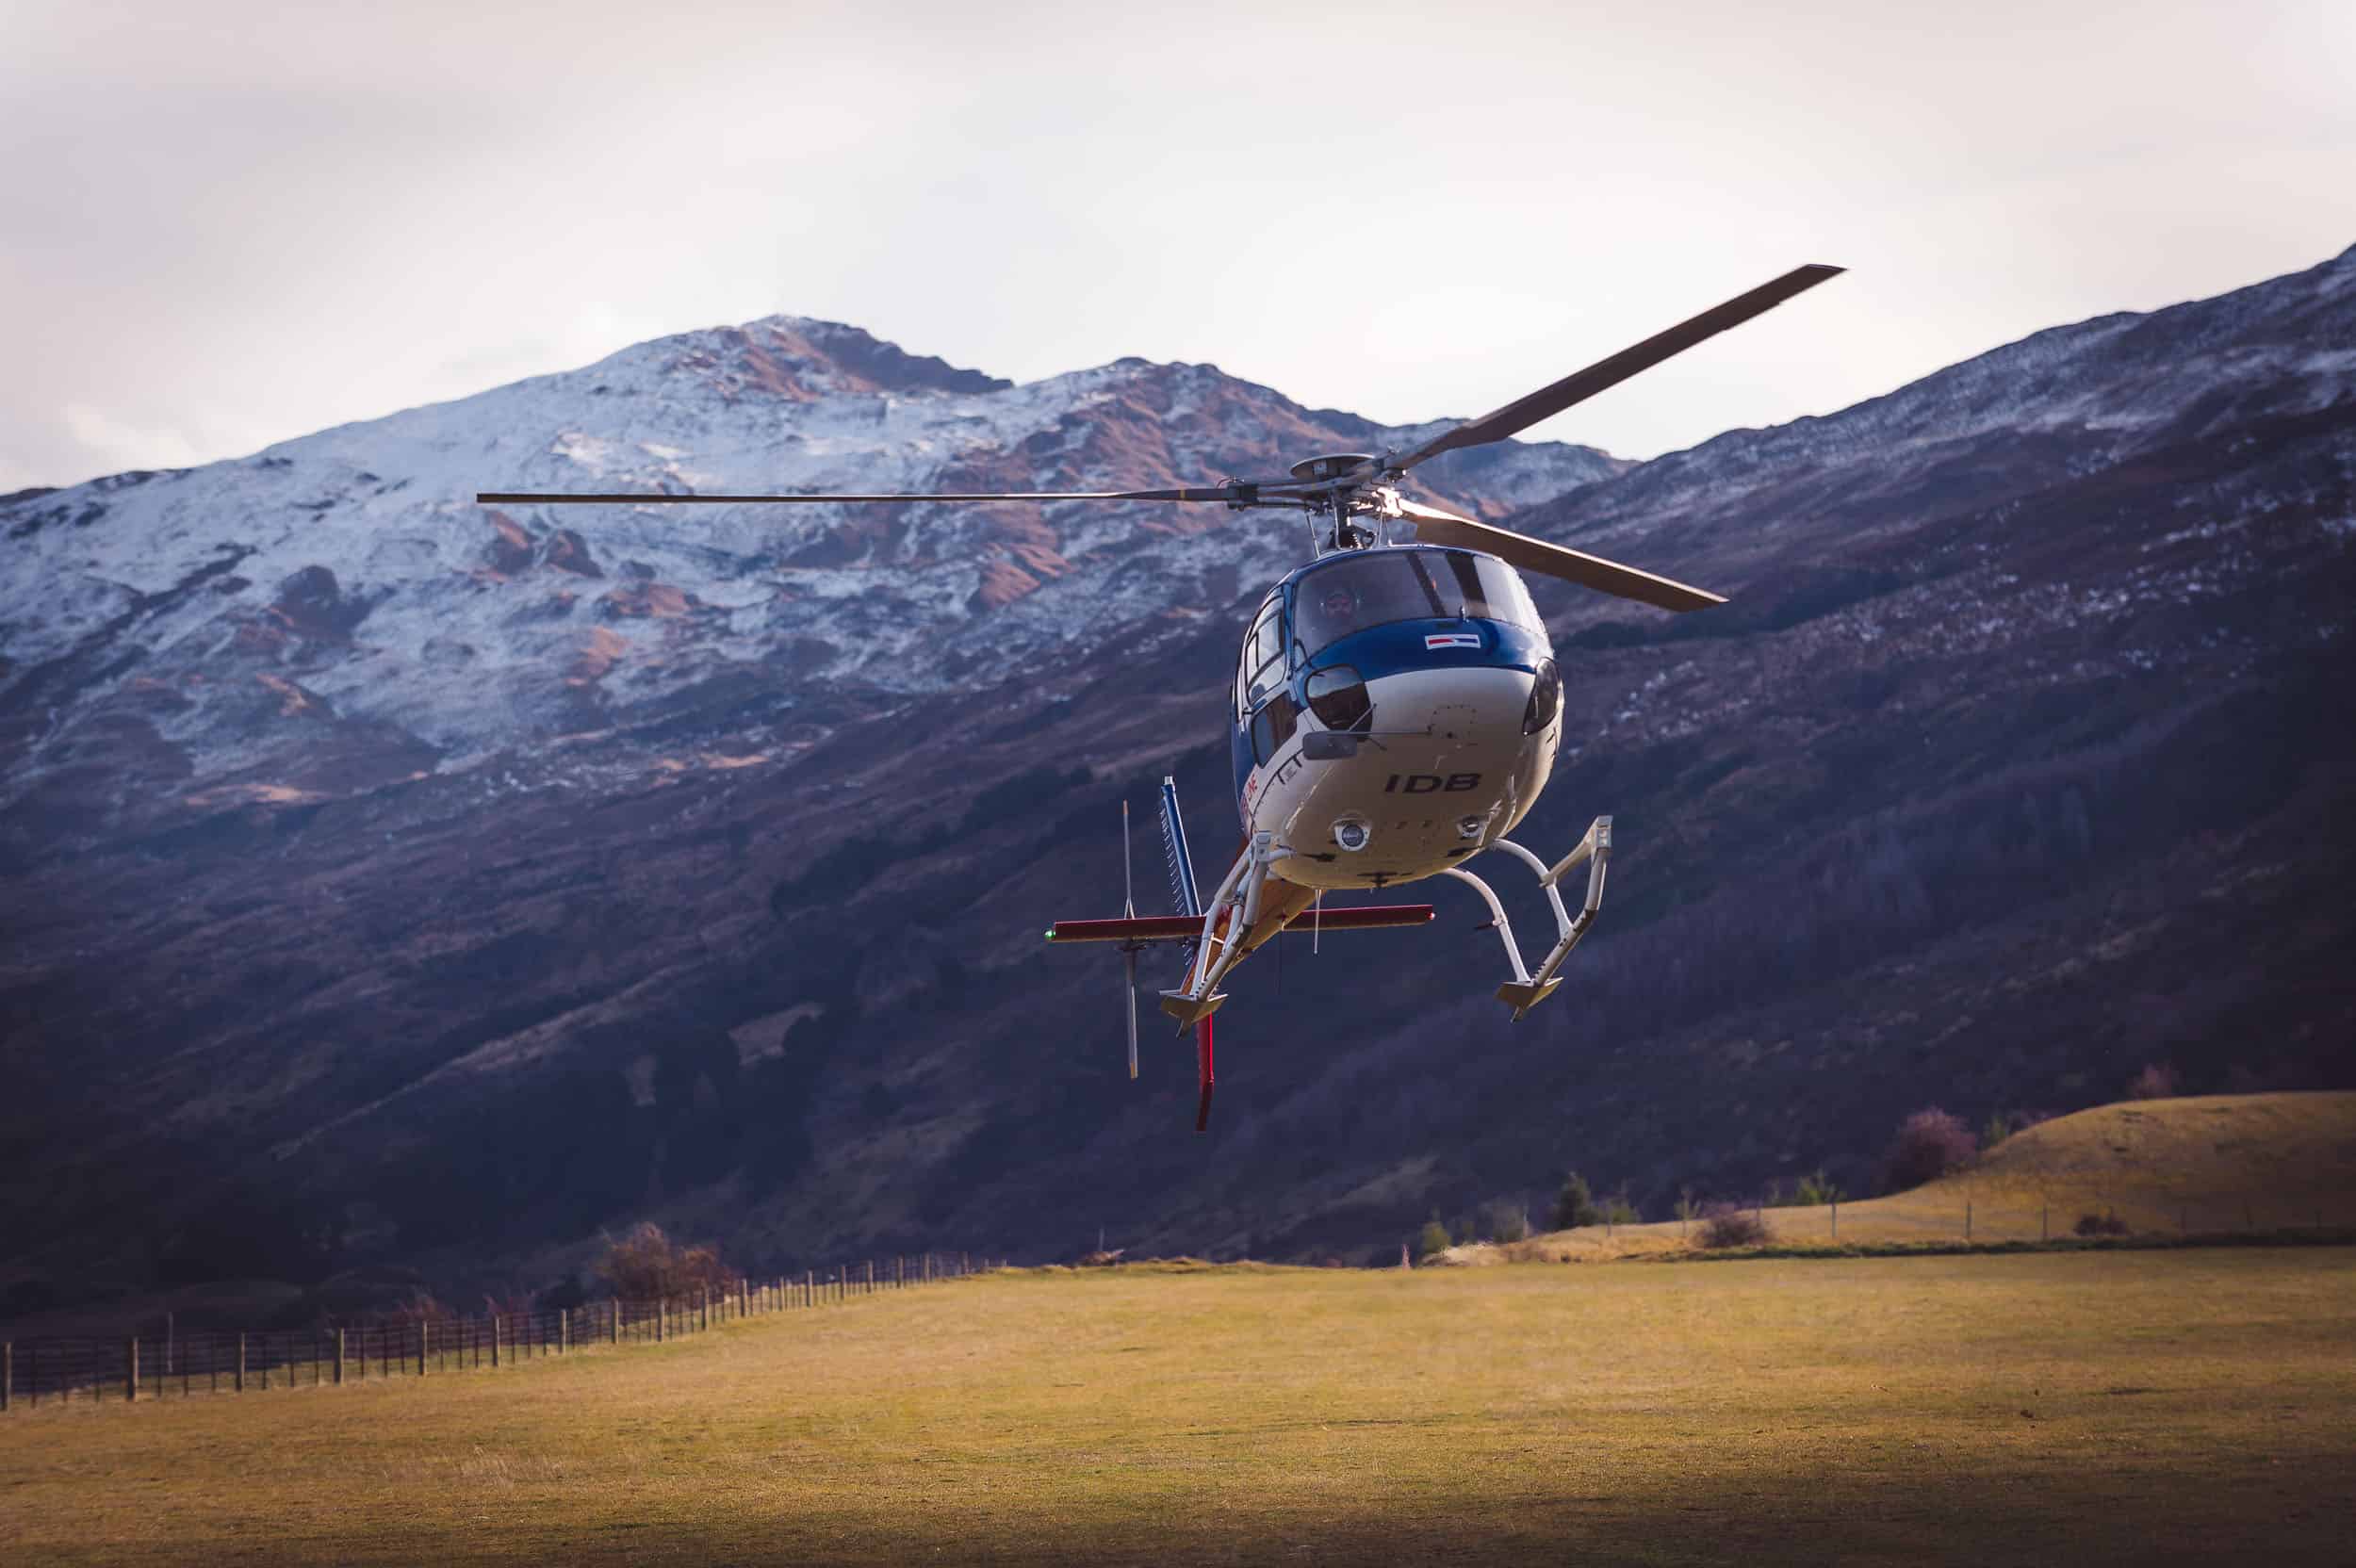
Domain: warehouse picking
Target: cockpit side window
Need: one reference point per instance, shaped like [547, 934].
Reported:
[1264, 656]
[1362, 591]
[1508, 600]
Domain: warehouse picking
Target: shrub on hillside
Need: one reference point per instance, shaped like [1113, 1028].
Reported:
[1432, 1240]
[1575, 1205]
[1617, 1210]
[2157, 1081]
[1506, 1221]
[2099, 1225]
[1724, 1225]
[1929, 1144]
[645, 1264]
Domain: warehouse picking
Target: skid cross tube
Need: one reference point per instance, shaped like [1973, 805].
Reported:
[1527, 990]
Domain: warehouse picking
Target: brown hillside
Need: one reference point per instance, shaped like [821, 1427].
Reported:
[2208, 1163]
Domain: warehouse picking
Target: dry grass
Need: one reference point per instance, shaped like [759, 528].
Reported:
[2205, 1163]
[2142, 1405]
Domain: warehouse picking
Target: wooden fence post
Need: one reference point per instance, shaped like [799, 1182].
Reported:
[131, 1373]
[425, 1337]
[339, 1358]
[613, 1324]
[660, 1312]
[8, 1373]
[495, 1342]
[563, 1330]
[240, 1386]
[172, 1342]
[809, 1288]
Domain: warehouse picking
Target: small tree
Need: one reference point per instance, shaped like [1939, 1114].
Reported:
[1929, 1144]
[1816, 1190]
[2157, 1081]
[1575, 1205]
[1432, 1239]
[645, 1264]
[1617, 1210]
[1507, 1221]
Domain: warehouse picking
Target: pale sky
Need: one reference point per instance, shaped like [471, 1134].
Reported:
[225, 224]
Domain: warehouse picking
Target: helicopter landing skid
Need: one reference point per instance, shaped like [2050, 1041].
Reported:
[1228, 919]
[1525, 990]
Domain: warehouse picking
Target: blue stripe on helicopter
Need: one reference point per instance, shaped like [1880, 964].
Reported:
[1433, 644]
[1398, 646]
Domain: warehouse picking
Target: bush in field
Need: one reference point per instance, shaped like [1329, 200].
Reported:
[1575, 1205]
[645, 1264]
[1617, 1210]
[2157, 1081]
[1432, 1239]
[1724, 1225]
[2099, 1225]
[1929, 1144]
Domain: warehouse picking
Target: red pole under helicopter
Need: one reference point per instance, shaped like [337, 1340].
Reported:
[1396, 709]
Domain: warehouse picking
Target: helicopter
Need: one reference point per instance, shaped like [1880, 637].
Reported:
[1396, 707]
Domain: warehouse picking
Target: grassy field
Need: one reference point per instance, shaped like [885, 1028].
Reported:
[2149, 1405]
[2201, 1164]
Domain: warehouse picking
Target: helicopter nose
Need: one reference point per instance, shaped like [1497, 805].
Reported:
[1454, 704]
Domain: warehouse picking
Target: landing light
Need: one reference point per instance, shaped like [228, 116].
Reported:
[1352, 834]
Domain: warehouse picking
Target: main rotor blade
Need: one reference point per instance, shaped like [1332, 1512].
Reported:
[1580, 385]
[1434, 526]
[1241, 492]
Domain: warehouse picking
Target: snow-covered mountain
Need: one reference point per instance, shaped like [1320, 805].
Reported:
[349, 577]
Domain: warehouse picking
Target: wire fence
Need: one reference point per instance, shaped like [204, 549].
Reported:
[58, 1372]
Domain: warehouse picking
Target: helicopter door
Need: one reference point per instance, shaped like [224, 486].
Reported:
[1274, 715]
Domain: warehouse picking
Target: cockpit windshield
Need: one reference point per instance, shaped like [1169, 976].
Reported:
[1382, 585]
[1357, 591]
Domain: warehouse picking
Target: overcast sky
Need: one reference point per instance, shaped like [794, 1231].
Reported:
[225, 224]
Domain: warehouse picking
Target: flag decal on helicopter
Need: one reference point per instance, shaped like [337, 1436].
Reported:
[1453, 639]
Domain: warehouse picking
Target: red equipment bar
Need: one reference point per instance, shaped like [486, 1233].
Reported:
[1178, 928]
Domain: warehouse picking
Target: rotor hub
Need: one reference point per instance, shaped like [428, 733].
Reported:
[1329, 465]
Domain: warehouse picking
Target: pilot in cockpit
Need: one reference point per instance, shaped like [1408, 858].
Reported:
[1339, 605]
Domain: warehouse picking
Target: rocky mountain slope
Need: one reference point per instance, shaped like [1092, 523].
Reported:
[385, 878]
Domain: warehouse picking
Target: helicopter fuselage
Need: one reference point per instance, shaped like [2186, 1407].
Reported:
[1396, 710]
